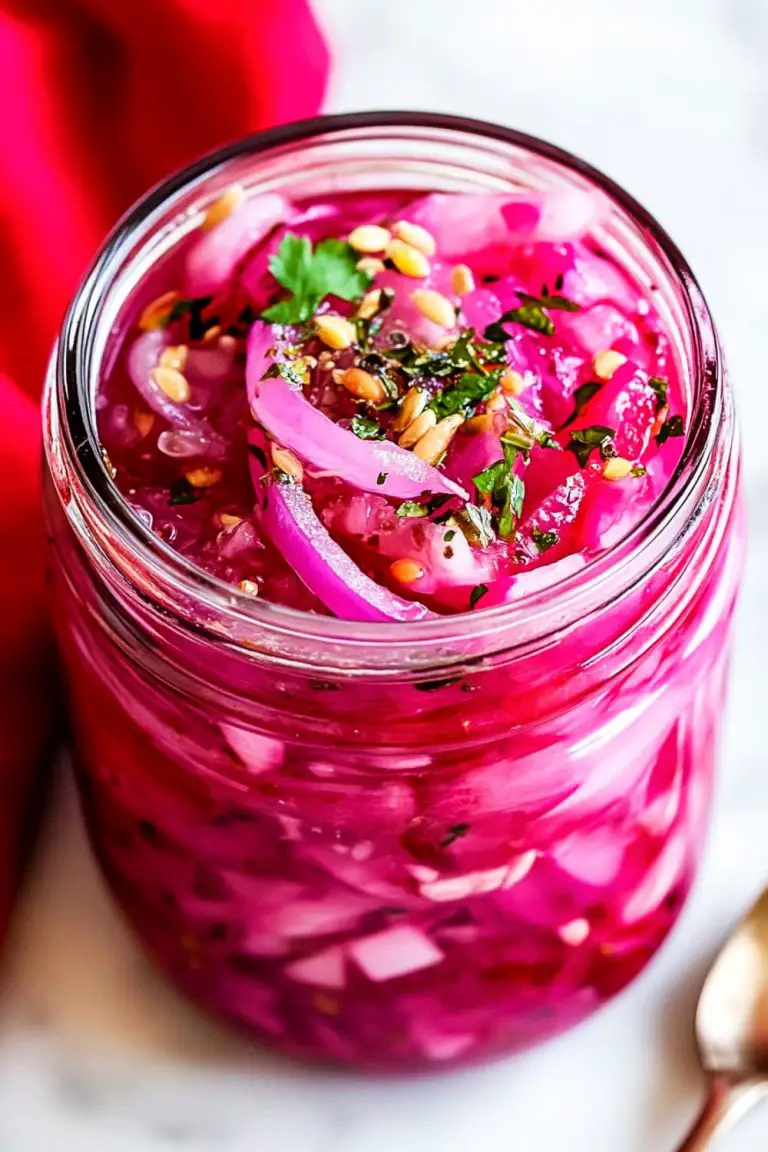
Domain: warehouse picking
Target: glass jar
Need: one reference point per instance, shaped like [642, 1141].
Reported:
[394, 845]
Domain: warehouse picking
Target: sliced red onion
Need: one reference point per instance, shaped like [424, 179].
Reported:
[187, 429]
[371, 465]
[324, 566]
[467, 225]
[213, 258]
[145, 355]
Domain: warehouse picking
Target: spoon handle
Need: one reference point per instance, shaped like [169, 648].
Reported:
[725, 1104]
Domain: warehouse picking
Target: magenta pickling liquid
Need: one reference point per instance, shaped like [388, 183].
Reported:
[374, 864]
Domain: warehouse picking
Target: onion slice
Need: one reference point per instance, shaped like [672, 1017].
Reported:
[371, 465]
[213, 258]
[323, 565]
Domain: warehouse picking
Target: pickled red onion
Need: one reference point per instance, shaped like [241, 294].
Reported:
[215, 255]
[324, 566]
[371, 465]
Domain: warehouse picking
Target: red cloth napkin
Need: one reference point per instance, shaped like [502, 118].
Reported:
[101, 99]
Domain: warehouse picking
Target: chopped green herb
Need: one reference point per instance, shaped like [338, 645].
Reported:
[449, 535]
[182, 492]
[547, 300]
[672, 427]
[193, 308]
[382, 477]
[584, 440]
[409, 509]
[514, 494]
[466, 394]
[544, 540]
[505, 488]
[529, 315]
[311, 276]
[454, 833]
[661, 388]
[476, 525]
[459, 357]
[366, 428]
[288, 370]
[581, 396]
[260, 455]
[637, 470]
[369, 326]
[523, 432]
[488, 480]
[477, 594]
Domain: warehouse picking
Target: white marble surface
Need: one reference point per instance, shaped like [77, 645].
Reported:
[671, 97]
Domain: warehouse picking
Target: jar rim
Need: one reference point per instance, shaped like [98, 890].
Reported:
[542, 612]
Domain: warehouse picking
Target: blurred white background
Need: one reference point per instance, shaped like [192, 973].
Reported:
[670, 97]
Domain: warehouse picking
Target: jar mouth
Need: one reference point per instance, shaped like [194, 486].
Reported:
[178, 583]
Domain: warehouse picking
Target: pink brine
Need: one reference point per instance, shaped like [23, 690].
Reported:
[397, 541]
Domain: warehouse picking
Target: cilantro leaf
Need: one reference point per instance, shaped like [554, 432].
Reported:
[334, 271]
[291, 311]
[365, 428]
[311, 276]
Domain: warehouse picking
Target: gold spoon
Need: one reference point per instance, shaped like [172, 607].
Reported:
[732, 1029]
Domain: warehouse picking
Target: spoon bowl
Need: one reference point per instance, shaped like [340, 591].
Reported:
[732, 1028]
[732, 1014]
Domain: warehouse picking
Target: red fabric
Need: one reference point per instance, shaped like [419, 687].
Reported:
[101, 99]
